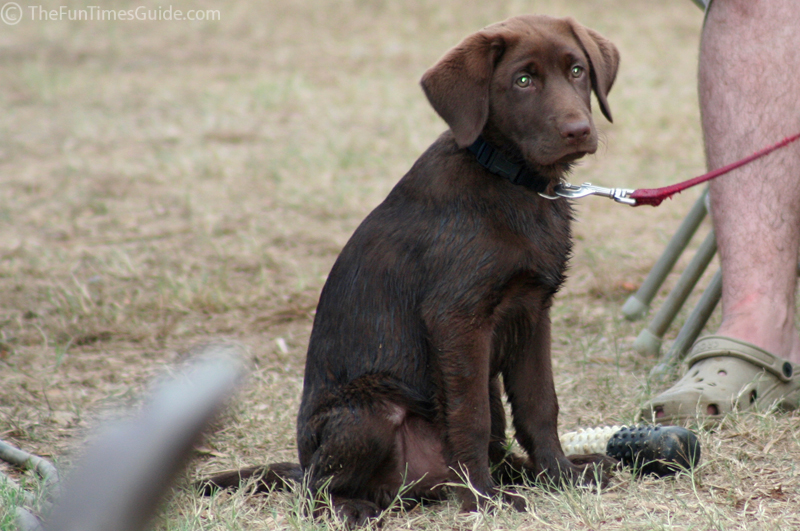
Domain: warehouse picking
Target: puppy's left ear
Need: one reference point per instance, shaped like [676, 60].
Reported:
[604, 59]
[458, 85]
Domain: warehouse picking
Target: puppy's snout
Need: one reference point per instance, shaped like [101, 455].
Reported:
[575, 131]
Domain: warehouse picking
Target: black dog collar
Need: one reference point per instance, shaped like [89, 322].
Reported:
[490, 158]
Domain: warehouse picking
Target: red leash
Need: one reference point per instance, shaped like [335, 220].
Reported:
[654, 196]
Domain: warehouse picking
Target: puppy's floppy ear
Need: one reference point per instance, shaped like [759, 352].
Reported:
[458, 85]
[604, 59]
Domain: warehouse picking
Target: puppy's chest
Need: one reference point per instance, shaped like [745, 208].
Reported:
[542, 241]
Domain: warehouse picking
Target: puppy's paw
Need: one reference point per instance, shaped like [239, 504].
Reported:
[515, 500]
[601, 461]
[594, 469]
[590, 469]
[353, 512]
[357, 512]
[493, 500]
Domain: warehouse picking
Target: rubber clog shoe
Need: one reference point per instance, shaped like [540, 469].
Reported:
[726, 374]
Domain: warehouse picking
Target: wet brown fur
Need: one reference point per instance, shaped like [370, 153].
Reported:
[446, 286]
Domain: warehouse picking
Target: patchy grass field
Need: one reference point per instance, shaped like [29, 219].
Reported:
[165, 183]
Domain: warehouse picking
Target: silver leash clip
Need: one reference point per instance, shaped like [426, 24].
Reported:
[572, 191]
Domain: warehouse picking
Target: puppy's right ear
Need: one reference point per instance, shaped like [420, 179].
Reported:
[458, 85]
[604, 59]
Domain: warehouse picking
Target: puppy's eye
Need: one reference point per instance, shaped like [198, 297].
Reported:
[524, 80]
[576, 71]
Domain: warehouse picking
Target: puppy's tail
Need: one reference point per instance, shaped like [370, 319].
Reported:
[277, 476]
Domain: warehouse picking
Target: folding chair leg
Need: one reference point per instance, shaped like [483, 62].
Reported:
[691, 329]
[637, 304]
[649, 340]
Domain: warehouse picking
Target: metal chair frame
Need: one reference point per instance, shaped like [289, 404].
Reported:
[651, 338]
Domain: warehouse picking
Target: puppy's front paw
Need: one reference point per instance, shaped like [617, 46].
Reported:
[589, 469]
[489, 502]
[515, 500]
[594, 468]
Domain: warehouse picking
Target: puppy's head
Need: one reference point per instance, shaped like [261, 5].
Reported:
[526, 84]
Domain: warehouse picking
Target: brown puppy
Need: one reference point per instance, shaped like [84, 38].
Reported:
[446, 286]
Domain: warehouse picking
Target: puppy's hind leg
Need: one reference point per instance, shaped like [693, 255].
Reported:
[356, 462]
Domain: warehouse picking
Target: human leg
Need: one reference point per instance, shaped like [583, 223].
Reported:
[748, 87]
[749, 96]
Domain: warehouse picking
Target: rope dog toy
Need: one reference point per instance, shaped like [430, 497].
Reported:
[648, 449]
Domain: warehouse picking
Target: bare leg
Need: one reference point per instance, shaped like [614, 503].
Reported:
[749, 84]
[749, 98]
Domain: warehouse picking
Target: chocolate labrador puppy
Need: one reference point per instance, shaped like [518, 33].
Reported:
[446, 286]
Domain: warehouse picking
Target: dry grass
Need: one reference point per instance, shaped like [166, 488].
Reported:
[163, 183]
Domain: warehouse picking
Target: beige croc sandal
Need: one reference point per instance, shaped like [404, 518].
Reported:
[726, 374]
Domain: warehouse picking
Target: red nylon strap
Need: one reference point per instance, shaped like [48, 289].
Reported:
[654, 196]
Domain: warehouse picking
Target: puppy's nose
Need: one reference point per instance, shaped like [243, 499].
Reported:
[575, 131]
